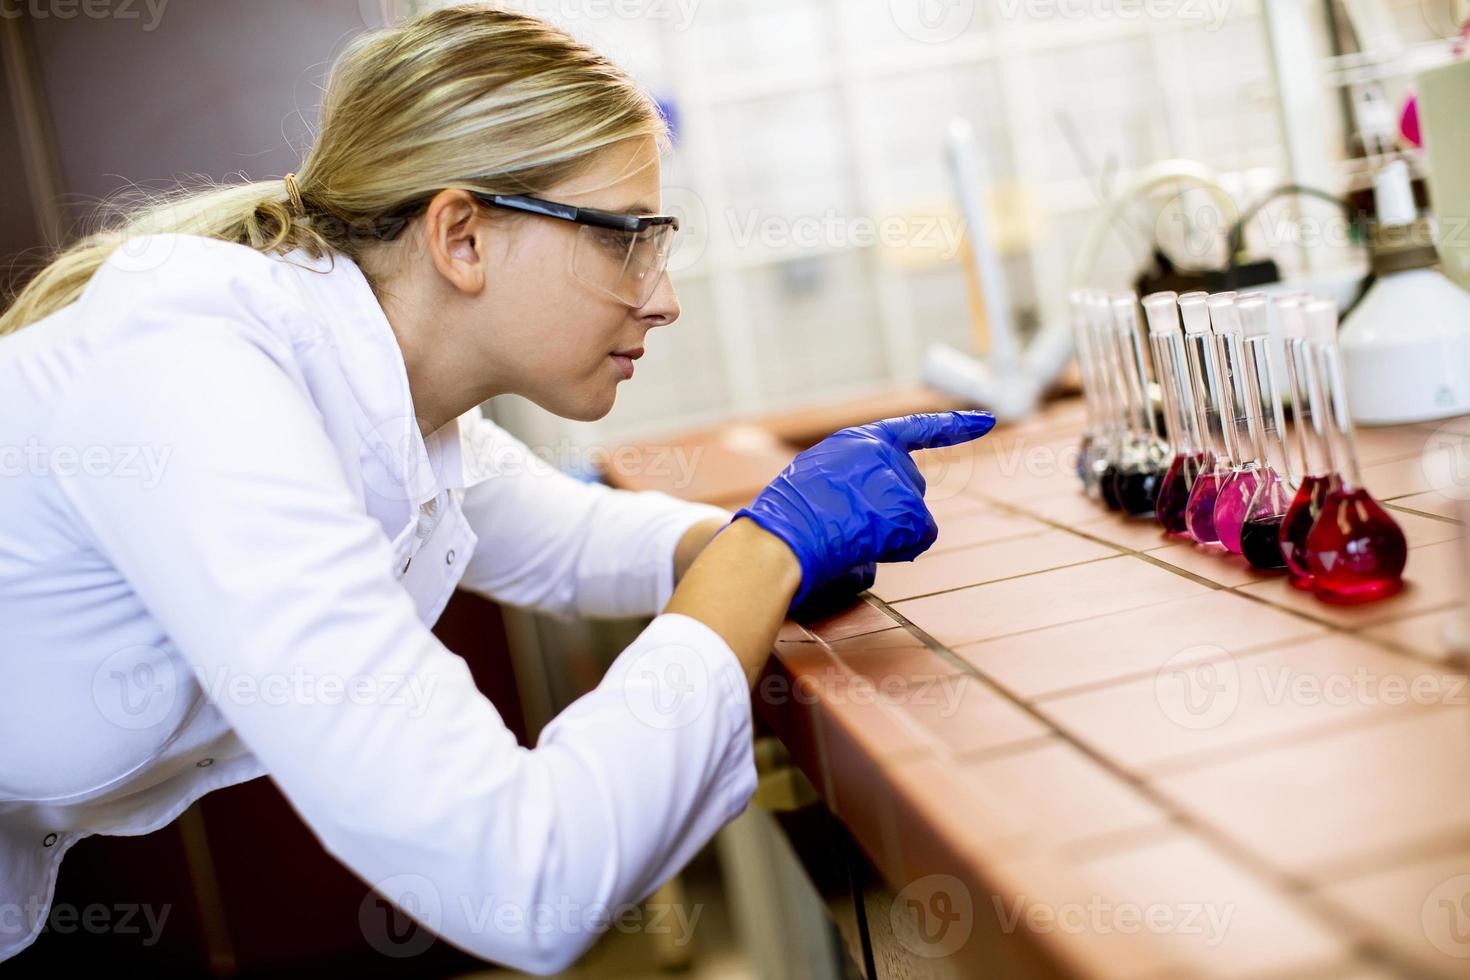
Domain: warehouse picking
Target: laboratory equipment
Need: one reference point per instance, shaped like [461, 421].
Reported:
[1011, 377]
[1260, 534]
[1236, 487]
[1092, 453]
[1404, 347]
[1186, 451]
[1144, 456]
[1355, 551]
[1309, 418]
[1109, 377]
[1204, 376]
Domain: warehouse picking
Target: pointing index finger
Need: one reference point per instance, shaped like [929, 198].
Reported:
[933, 430]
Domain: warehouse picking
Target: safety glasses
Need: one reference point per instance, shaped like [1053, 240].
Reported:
[621, 255]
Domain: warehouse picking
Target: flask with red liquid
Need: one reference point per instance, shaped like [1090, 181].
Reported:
[1260, 534]
[1309, 417]
[1356, 552]
[1180, 424]
[1236, 490]
[1204, 377]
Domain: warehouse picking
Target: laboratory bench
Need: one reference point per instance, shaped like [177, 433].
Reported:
[1062, 743]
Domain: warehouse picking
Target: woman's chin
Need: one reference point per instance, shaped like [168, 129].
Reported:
[592, 406]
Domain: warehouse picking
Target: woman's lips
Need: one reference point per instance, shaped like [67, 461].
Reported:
[625, 359]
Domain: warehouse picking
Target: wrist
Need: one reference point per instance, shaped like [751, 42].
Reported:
[765, 549]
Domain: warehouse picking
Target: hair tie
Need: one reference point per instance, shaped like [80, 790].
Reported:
[293, 190]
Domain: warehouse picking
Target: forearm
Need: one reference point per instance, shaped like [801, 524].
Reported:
[693, 542]
[740, 585]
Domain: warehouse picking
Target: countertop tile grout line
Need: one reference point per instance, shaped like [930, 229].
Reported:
[1358, 632]
[1283, 881]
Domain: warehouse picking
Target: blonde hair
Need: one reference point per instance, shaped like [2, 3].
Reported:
[469, 96]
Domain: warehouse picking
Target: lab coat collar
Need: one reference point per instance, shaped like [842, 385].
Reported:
[412, 467]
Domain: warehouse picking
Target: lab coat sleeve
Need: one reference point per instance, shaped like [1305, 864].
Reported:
[254, 555]
[553, 543]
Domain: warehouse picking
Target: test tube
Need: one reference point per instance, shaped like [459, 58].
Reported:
[1110, 386]
[1144, 456]
[1204, 376]
[1355, 551]
[1092, 435]
[1260, 535]
[1309, 418]
[1180, 420]
[1235, 492]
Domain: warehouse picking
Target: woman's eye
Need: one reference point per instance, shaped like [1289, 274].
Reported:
[615, 242]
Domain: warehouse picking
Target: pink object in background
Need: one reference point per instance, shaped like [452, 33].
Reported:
[1409, 122]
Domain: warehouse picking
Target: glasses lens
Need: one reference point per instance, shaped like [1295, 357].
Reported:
[627, 265]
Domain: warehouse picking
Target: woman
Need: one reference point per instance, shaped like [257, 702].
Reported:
[246, 468]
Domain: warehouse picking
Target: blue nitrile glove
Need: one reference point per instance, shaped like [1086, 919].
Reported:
[856, 498]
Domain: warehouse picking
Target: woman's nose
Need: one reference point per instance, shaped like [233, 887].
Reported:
[663, 306]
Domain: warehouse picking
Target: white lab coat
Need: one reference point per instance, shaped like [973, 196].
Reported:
[223, 542]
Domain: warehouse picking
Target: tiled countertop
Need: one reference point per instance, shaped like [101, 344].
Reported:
[1136, 757]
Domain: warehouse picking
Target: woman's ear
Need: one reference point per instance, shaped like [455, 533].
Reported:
[454, 234]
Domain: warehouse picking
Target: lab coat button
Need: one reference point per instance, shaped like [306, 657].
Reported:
[50, 839]
[449, 558]
[202, 763]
